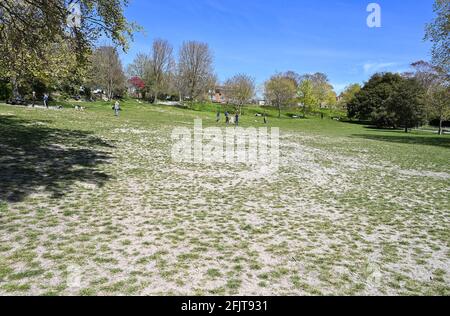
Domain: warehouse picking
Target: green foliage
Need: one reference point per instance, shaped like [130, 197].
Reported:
[306, 96]
[348, 95]
[389, 100]
[280, 91]
[37, 43]
[5, 90]
[437, 33]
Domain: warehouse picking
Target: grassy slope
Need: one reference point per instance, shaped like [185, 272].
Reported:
[347, 196]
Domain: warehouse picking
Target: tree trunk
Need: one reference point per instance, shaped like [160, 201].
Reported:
[156, 97]
[441, 130]
[406, 129]
[279, 111]
[15, 90]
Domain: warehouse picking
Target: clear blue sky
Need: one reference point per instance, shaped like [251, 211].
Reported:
[260, 37]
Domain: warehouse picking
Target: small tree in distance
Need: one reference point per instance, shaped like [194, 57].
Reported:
[240, 90]
[280, 91]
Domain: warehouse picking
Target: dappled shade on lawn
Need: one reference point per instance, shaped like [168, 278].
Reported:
[37, 158]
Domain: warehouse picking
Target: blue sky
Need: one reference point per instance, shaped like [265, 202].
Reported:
[261, 37]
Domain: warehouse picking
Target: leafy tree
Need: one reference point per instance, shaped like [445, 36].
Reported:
[389, 100]
[34, 36]
[371, 102]
[436, 82]
[306, 96]
[240, 90]
[138, 84]
[437, 33]
[348, 95]
[322, 89]
[406, 104]
[280, 91]
[439, 96]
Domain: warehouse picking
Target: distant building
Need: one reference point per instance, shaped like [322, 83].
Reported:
[219, 95]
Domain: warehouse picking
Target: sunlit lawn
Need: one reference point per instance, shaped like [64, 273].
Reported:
[352, 210]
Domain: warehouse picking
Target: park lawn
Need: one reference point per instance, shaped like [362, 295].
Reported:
[351, 211]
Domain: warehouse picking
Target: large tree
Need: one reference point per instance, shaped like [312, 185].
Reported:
[280, 91]
[439, 98]
[438, 33]
[406, 105]
[436, 82]
[390, 100]
[240, 90]
[195, 69]
[30, 28]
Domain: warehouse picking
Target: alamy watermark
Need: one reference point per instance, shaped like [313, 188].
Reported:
[374, 18]
[258, 147]
[74, 17]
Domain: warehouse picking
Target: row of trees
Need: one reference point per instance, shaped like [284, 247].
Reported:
[309, 91]
[159, 74]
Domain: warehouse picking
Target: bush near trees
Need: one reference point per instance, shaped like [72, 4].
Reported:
[390, 101]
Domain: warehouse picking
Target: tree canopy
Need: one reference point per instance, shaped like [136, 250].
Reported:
[37, 41]
[390, 100]
[438, 33]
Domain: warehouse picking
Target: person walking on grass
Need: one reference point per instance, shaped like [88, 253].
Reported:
[227, 117]
[34, 98]
[116, 108]
[46, 100]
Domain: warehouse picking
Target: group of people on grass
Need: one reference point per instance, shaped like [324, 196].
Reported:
[228, 118]
[45, 99]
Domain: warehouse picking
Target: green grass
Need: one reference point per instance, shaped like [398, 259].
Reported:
[352, 210]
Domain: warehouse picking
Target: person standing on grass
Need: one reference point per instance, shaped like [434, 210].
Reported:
[227, 117]
[116, 108]
[46, 100]
[218, 117]
[236, 119]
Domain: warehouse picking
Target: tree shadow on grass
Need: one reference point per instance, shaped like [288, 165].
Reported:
[403, 138]
[36, 158]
